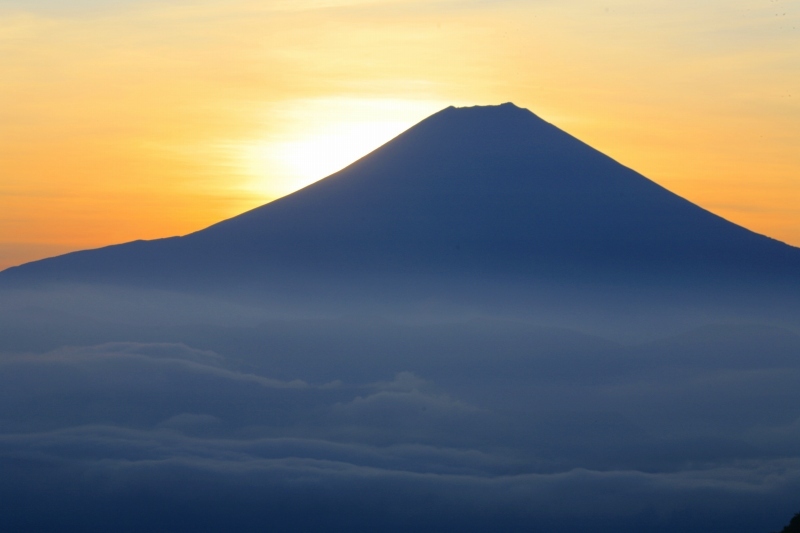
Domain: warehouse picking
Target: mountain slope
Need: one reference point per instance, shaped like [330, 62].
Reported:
[483, 191]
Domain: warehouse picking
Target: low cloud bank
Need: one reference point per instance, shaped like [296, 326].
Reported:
[166, 437]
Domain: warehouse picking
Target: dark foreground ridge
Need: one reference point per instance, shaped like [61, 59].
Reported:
[481, 192]
[793, 526]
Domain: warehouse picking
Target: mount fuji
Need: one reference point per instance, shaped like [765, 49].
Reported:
[482, 195]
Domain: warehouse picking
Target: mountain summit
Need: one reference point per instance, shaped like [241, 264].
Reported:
[479, 193]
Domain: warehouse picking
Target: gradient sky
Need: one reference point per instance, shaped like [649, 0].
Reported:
[128, 119]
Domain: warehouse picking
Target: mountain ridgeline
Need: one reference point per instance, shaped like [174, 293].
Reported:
[485, 195]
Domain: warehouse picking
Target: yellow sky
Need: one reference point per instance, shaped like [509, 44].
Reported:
[125, 119]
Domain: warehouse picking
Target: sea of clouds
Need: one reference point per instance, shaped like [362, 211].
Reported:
[698, 432]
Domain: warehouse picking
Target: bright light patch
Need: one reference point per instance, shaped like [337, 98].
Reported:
[336, 147]
[320, 137]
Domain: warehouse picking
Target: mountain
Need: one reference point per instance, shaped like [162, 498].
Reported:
[484, 325]
[493, 194]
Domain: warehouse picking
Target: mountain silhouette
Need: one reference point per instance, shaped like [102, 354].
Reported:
[478, 193]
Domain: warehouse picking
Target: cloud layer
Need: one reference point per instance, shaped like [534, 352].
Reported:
[165, 437]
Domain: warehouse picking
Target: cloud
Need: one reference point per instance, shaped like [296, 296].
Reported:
[279, 482]
[131, 432]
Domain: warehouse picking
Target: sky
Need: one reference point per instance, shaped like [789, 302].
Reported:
[128, 119]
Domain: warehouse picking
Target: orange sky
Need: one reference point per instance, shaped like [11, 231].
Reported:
[128, 119]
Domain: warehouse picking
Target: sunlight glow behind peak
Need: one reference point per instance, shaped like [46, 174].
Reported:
[321, 137]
